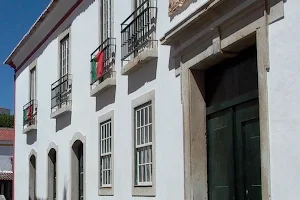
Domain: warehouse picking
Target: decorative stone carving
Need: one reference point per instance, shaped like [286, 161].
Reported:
[175, 4]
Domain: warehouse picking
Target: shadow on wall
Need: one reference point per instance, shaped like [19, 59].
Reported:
[106, 98]
[31, 137]
[80, 9]
[63, 121]
[174, 62]
[143, 75]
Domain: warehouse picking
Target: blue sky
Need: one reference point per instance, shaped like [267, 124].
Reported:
[16, 17]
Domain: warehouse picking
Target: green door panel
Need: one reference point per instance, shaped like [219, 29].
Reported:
[252, 159]
[234, 168]
[248, 165]
[221, 156]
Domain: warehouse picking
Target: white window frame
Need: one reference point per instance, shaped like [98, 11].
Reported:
[105, 154]
[64, 55]
[106, 19]
[104, 120]
[145, 188]
[143, 144]
[32, 83]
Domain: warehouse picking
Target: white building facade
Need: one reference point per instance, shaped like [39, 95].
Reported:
[124, 99]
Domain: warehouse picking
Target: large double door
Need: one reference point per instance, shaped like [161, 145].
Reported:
[234, 153]
[233, 133]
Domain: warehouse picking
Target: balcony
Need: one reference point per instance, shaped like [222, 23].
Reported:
[137, 38]
[103, 75]
[30, 116]
[61, 96]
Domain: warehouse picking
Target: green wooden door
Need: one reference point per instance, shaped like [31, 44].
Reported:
[221, 155]
[248, 150]
[234, 169]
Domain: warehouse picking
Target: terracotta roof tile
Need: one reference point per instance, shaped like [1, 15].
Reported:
[7, 134]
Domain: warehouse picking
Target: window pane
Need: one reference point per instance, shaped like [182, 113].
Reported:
[142, 135]
[142, 117]
[138, 139]
[143, 139]
[140, 174]
[105, 156]
[138, 115]
[150, 133]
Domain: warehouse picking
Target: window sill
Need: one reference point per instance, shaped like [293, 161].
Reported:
[61, 111]
[145, 191]
[106, 191]
[30, 129]
[145, 56]
[105, 85]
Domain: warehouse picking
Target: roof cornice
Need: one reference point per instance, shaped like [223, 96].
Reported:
[31, 31]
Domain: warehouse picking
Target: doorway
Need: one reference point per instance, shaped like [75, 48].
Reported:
[233, 133]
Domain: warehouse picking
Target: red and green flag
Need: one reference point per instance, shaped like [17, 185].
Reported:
[27, 113]
[97, 65]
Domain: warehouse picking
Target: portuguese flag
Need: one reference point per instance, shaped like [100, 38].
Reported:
[97, 65]
[27, 113]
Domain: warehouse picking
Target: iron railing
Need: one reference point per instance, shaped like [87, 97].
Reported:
[138, 30]
[29, 113]
[108, 48]
[61, 91]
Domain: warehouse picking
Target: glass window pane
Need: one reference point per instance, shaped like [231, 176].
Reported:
[142, 135]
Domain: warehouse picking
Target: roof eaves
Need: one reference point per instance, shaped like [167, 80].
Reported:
[33, 28]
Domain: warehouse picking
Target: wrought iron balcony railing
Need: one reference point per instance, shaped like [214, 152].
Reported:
[29, 114]
[103, 61]
[61, 91]
[138, 30]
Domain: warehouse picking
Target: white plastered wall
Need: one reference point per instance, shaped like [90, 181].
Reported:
[283, 97]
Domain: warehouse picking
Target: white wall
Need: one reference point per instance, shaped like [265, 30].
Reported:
[283, 94]
[169, 138]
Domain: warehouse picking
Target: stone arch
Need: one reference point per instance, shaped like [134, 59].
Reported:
[51, 146]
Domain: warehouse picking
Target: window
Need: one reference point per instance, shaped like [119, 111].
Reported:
[52, 175]
[105, 154]
[32, 178]
[138, 31]
[143, 150]
[106, 18]
[32, 89]
[30, 108]
[106, 149]
[143, 144]
[64, 56]
[77, 171]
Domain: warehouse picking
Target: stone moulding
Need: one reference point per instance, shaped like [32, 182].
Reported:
[175, 4]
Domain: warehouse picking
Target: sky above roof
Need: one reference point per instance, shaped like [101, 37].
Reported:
[16, 17]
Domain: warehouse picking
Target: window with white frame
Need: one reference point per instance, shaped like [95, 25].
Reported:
[106, 18]
[143, 144]
[106, 154]
[64, 56]
[32, 89]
